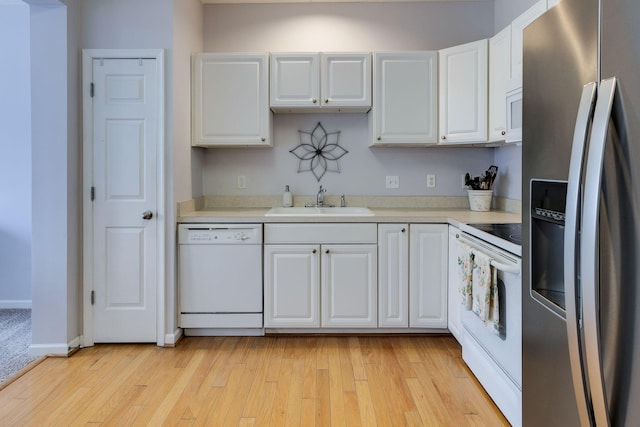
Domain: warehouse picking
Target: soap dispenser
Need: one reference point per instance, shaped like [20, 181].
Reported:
[287, 197]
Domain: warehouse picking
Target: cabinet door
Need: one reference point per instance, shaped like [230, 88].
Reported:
[463, 93]
[346, 80]
[405, 93]
[454, 297]
[393, 275]
[499, 75]
[428, 249]
[349, 283]
[295, 79]
[230, 100]
[291, 286]
[517, 28]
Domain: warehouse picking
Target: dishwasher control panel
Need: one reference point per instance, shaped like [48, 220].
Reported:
[220, 234]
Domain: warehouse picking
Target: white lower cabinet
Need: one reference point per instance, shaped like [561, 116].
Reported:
[320, 275]
[454, 302]
[393, 275]
[348, 286]
[428, 250]
[311, 282]
[291, 286]
[412, 276]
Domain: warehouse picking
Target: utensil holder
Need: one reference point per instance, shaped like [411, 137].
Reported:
[480, 200]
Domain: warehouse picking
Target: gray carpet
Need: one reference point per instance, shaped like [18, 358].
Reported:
[15, 338]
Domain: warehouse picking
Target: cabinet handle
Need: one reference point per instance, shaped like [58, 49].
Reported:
[504, 132]
[327, 251]
[403, 230]
[313, 251]
[263, 139]
[314, 100]
[379, 138]
[444, 137]
[457, 236]
[326, 101]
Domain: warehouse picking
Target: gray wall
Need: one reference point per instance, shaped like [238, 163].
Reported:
[184, 165]
[56, 229]
[15, 161]
[507, 10]
[343, 27]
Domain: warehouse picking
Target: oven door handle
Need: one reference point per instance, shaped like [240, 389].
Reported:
[514, 269]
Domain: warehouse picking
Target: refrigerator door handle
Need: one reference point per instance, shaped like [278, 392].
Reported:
[578, 147]
[589, 250]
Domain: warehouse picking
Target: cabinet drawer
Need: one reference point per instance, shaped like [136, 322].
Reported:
[320, 233]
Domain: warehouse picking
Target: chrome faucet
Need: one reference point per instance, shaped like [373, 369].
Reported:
[320, 197]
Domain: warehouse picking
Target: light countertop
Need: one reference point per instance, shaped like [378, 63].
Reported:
[381, 215]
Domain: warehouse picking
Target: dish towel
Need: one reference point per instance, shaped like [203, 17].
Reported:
[484, 291]
[465, 270]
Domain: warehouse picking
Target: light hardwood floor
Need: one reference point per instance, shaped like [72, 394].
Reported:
[255, 381]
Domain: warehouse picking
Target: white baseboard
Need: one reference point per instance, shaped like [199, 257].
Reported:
[74, 343]
[54, 349]
[171, 339]
[9, 303]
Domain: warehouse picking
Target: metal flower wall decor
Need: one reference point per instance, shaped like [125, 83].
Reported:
[318, 151]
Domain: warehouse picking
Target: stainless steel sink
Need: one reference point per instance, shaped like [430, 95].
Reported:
[320, 211]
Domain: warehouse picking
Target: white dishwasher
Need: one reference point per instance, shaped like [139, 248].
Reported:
[220, 276]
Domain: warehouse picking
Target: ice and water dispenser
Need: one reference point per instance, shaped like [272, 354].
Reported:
[548, 201]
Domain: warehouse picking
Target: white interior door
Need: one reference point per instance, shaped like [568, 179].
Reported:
[125, 140]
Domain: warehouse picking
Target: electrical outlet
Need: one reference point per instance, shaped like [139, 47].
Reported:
[393, 182]
[241, 182]
[431, 181]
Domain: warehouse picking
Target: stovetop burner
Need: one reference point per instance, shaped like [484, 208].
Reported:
[508, 231]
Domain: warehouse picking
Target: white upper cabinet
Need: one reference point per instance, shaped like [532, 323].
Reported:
[346, 80]
[463, 93]
[320, 82]
[499, 75]
[404, 111]
[230, 101]
[295, 80]
[517, 28]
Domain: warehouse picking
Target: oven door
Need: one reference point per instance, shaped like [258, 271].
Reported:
[506, 348]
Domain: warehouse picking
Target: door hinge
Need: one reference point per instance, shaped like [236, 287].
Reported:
[91, 89]
[93, 193]
[93, 297]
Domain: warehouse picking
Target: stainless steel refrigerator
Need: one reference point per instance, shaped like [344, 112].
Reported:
[581, 215]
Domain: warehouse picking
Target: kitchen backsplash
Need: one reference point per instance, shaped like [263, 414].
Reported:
[363, 170]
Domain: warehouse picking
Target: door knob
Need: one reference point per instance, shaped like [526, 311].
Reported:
[147, 215]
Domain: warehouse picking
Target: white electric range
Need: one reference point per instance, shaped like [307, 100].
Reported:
[496, 360]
